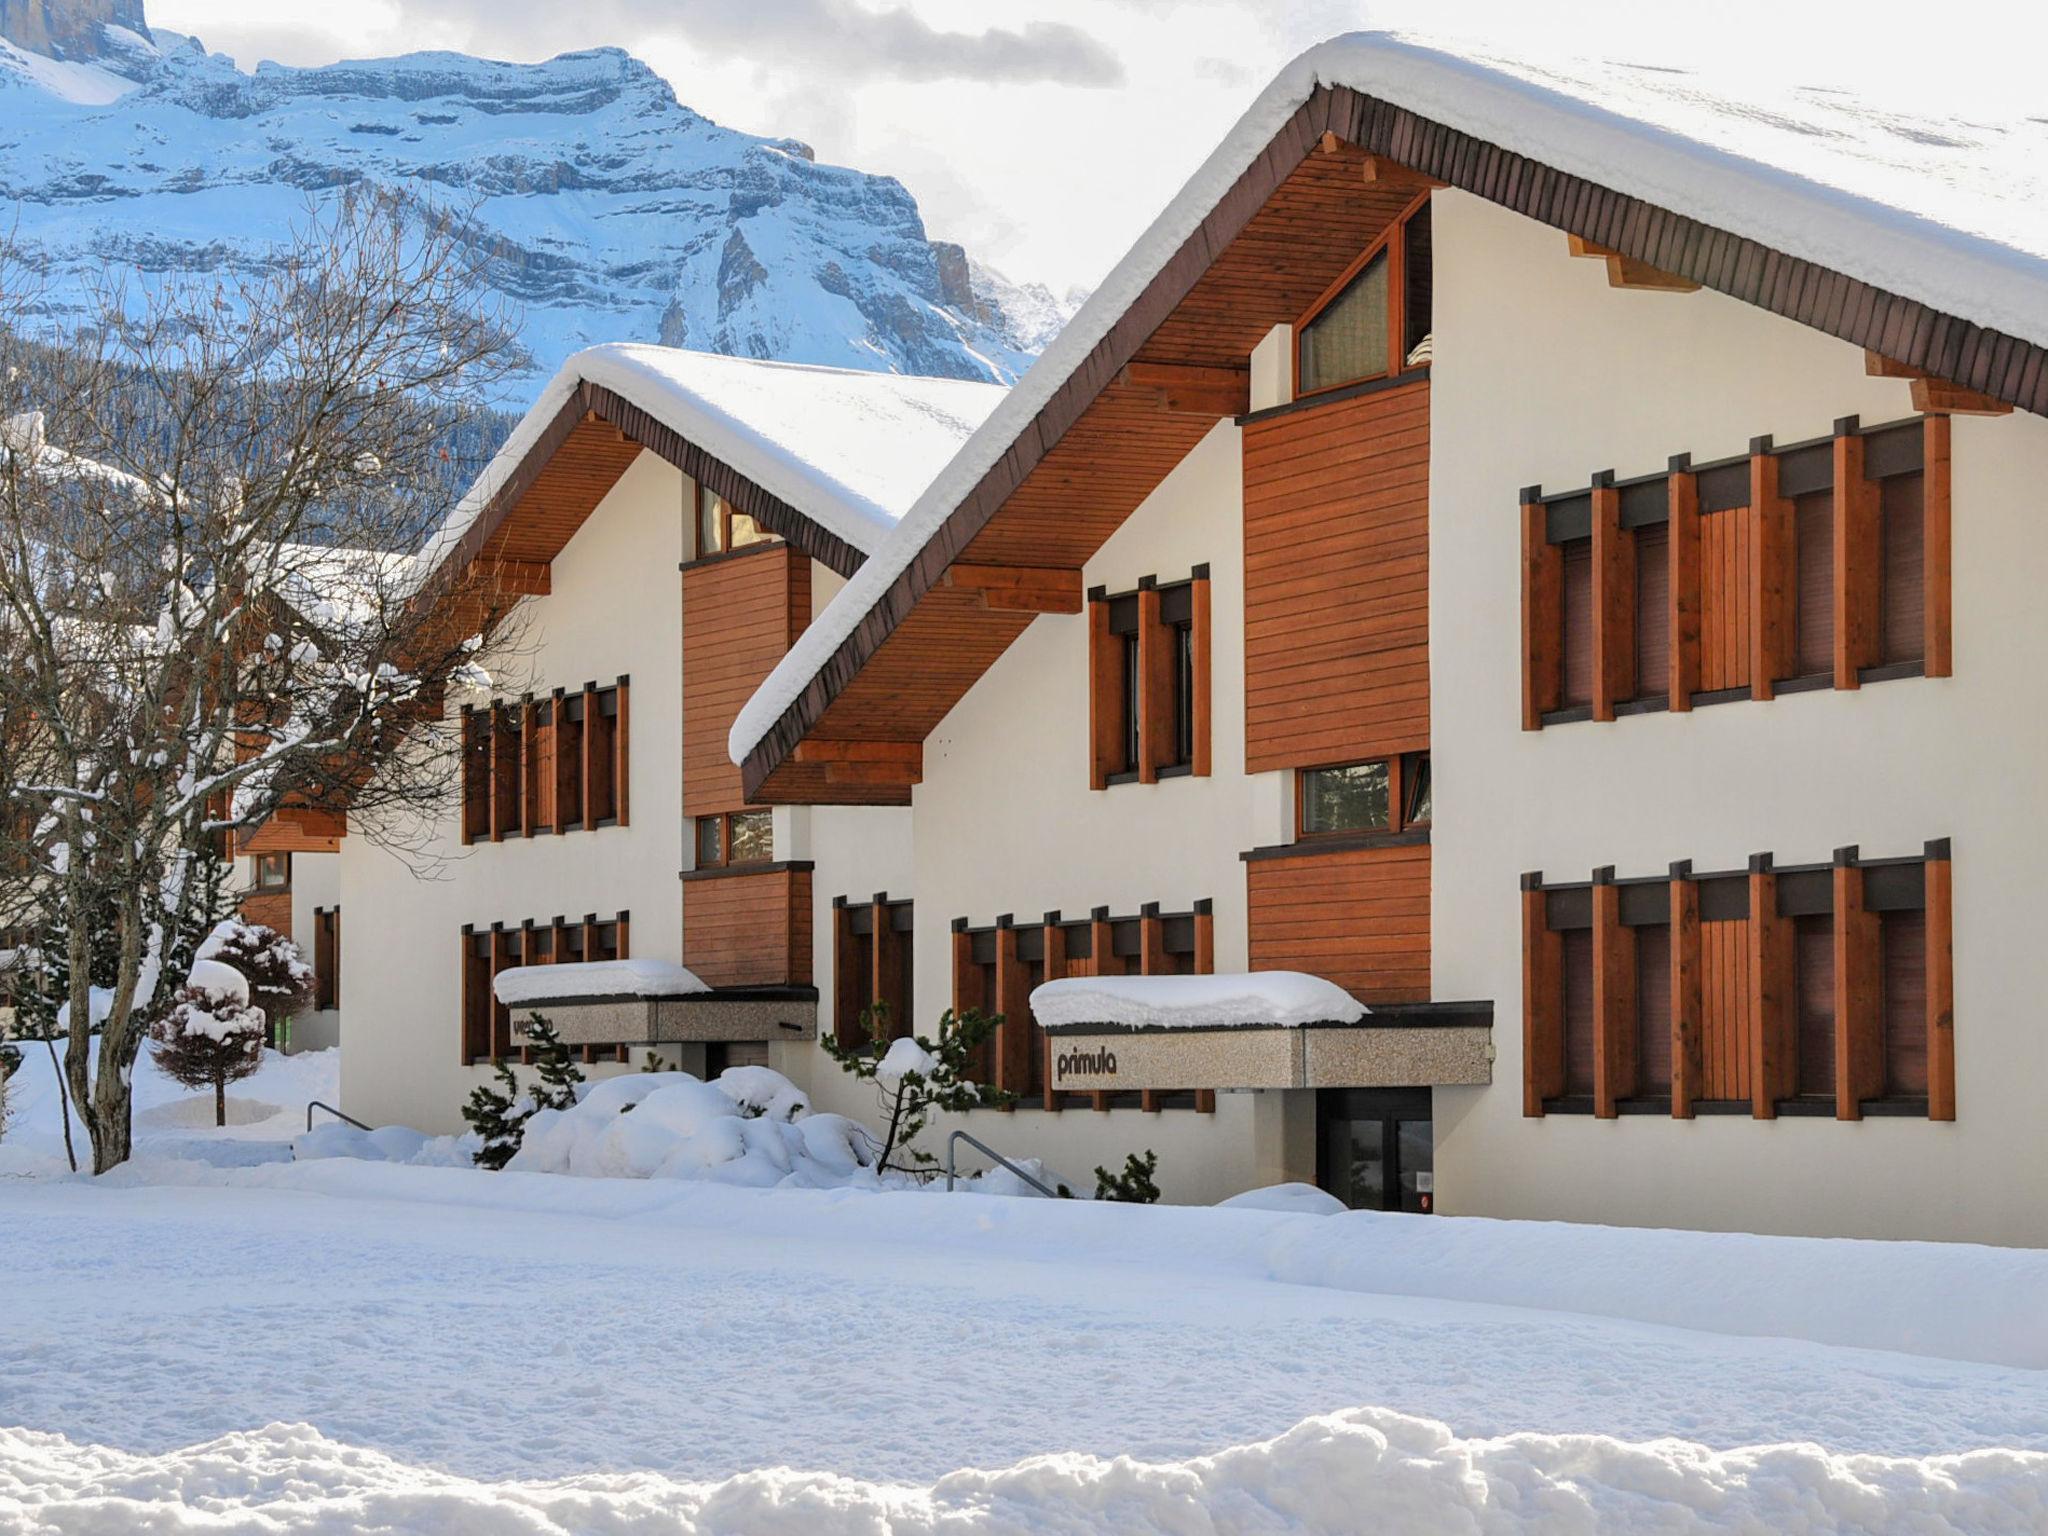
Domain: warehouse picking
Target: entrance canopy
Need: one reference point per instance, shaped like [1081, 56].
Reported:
[652, 1002]
[1263, 1029]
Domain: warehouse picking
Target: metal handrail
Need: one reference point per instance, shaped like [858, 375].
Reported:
[990, 1152]
[351, 1119]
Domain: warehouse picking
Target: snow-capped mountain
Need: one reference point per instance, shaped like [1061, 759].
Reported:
[623, 215]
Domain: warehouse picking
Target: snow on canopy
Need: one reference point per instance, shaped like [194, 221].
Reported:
[1281, 999]
[847, 448]
[1945, 210]
[585, 980]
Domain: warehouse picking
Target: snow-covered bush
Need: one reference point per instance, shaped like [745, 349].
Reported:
[280, 980]
[10, 1063]
[671, 1125]
[212, 1035]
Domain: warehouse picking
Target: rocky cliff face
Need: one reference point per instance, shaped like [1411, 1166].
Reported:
[620, 213]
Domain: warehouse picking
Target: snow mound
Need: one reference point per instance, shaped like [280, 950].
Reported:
[1293, 1199]
[1287, 999]
[904, 1057]
[592, 979]
[386, 1144]
[196, 1113]
[763, 1091]
[670, 1125]
[1362, 1469]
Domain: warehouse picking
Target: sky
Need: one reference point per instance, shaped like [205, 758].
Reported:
[1045, 134]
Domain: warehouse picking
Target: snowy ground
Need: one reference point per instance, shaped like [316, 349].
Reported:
[338, 1345]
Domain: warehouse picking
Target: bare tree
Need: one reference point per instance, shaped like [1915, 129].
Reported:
[211, 501]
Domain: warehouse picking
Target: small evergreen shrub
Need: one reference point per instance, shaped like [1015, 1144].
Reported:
[499, 1115]
[1134, 1185]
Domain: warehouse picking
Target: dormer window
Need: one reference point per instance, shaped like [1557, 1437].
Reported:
[720, 528]
[1374, 321]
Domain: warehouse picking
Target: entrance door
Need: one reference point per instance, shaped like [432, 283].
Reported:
[1376, 1148]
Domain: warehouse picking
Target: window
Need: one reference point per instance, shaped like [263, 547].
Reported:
[1389, 794]
[486, 1032]
[1149, 681]
[735, 837]
[555, 764]
[1373, 321]
[871, 964]
[1715, 582]
[720, 528]
[996, 967]
[1760, 1027]
[326, 958]
[273, 871]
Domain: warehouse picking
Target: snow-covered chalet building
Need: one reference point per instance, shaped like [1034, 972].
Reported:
[1644, 476]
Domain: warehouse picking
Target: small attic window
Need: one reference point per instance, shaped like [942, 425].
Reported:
[720, 528]
[1375, 317]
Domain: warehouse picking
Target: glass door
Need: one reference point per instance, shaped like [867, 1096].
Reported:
[1376, 1148]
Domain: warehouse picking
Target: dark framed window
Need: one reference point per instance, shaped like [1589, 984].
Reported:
[1382, 794]
[487, 1032]
[553, 764]
[1371, 323]
[735, 837]
[273, 871]
[720, 528]
[1149, 665]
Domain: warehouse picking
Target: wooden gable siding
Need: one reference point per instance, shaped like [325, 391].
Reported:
[741, 614]
[273, 909]
[749, 928]
[1899, 328]
[1336, 581]
[1359, 917]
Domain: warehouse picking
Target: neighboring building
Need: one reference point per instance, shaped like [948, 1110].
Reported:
[1489, 546]
[671, 521]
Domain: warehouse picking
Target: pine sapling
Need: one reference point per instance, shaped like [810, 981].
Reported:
[1134, 1185]
[210, 1037]
[496, 1117]
[916, 1077]
[557, 1072]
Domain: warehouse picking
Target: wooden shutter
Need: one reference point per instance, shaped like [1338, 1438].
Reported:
[1724, 599]
[1653, 1010]
[1542, 614]
[1724, 1010]
[1688, 1064]
[1904, 600]
[1653, 611]
[1578, 1012]
[1814, 514]
[1543, 1068]
[476, 774]
[1905, 1004]
[1577, 623]
[852, 975]
[1814, 942]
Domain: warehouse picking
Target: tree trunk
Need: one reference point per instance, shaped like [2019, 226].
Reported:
[220, 1101]
[113, 1096]
[63, 1101]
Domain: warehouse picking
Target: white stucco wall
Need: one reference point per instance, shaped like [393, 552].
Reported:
[615, 606]
[1544, 374]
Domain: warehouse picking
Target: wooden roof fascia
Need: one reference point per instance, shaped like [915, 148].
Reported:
[1974, 357]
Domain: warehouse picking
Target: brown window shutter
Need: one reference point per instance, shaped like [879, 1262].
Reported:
[1578, 1012]
[1105, 694]
[1904, 601]
[1934, 458]
[1542, 616]
[1614, 603]
[1773, 581]
[1653, 1009]
[1773, 1021]
[1155, 686]
[1813, 938]
[1687, 997]
[1200, 706]
[1577, 622]
[1905, 1004]
[1653, 611]
[1614, 999]
[568, 756]
[622, 754]
[852, 976]
[1857, 559]
[1725, 641]
[1814, 517]
[1543, 1069]
[1682, 499]
[1859, 990]
[1941, 977]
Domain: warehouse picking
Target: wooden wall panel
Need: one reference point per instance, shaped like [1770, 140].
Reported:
[1580, 1067]
[741, 614]
[1653, 1009]
[1359, 918]
[1653, 610]
[749, 930]
[1337, 581]
[1903, 599]
[1814, 516]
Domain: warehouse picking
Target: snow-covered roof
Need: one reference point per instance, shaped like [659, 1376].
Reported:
[591, 980]
[848, 449]
[1272, 999]
[1947, 211]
